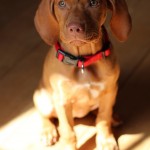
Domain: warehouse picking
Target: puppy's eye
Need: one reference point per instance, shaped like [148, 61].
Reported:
[62, 4]
[94, 3]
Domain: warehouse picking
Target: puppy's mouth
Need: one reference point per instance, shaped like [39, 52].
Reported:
[77, 42]
[80, 42]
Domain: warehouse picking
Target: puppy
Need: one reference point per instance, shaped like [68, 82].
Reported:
[80, 71]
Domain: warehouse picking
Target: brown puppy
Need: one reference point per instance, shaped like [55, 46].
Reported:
[88, 77]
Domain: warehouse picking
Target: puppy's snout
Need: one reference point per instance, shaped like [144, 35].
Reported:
[75, 28]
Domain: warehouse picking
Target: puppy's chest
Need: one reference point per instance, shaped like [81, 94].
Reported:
[89, 84]
[82, 94]
[84, 88]
[85, 97]
[92, 90]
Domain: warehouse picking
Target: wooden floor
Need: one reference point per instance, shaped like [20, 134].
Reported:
[21, 57]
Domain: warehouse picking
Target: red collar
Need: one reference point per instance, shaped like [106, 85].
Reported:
[82, 61]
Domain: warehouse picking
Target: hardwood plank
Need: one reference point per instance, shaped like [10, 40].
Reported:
[135, 94]
[10, 10]
[18, 85]
[17, 39]
[133, 104]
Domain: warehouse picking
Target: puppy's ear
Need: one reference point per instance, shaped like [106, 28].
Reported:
[46, 23]
[120, 22]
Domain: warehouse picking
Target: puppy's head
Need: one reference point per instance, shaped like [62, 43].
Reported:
[79, 21]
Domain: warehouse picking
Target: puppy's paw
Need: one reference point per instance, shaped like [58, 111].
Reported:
[108, 143]
[49, 135]
[69, 147]
[69, 144]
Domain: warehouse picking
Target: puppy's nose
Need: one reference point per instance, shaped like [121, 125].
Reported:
[75, 28]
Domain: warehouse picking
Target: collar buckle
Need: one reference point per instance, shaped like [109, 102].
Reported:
[67, 58]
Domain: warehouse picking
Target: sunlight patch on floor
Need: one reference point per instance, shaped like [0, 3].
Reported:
[23, 132]
[20, 132]
[134, 142]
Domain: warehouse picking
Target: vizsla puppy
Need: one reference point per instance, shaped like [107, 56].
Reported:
[80, 71]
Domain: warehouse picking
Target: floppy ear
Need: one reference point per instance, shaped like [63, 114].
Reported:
[46, 23]
[120, 22]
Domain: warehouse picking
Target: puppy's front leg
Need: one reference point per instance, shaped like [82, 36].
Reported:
[66, 123]
[105, 138]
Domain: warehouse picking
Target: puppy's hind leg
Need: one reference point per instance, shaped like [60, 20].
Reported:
[44, 105]
[105, 138]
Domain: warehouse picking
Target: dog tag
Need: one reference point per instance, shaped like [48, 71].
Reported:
[82, 69]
